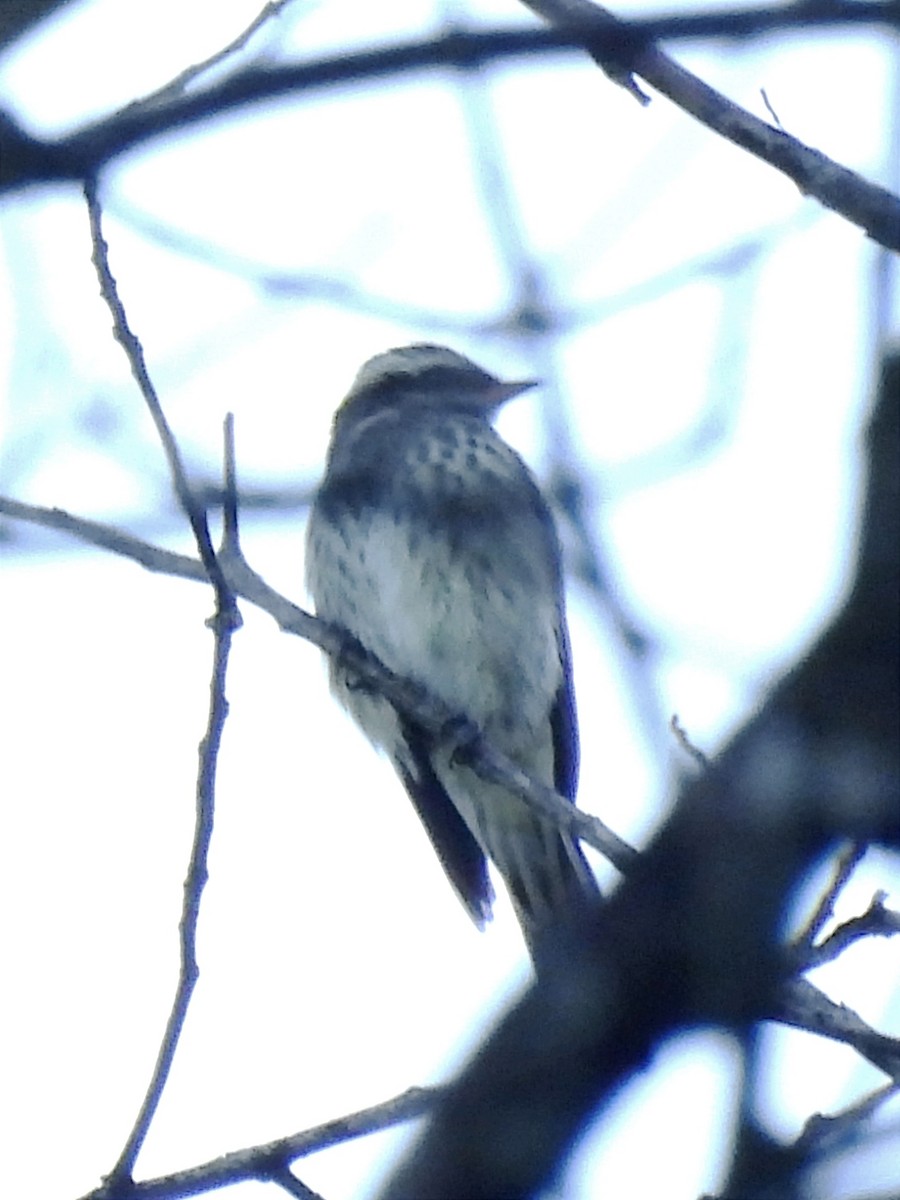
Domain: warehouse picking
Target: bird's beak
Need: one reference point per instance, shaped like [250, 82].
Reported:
[505, 391]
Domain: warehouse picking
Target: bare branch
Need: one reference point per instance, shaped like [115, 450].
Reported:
[876, 921]
[846, 864]
[428, 712]
[224, 623]
[134, 352]
[622, 48]
[230, 532]
[821, 1133]
[107, 537]
[268, 1160]
[178, 86]
[25, 159]
[802, 1005]
[686, 744]
[288, 1182]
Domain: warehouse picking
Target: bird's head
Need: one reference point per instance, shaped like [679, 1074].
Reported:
[426, 377]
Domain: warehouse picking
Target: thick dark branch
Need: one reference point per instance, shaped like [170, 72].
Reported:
[692, 935]
[624, 50]
[26, 160]
[18, 16]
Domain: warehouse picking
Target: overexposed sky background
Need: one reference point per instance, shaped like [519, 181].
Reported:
[716, 352]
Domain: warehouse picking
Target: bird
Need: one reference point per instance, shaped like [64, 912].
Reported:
[430, 543]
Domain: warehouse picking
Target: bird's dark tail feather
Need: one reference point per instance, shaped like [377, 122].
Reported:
[549, 880]
[551, 885]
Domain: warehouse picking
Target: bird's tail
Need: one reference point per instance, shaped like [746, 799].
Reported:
[550, 883]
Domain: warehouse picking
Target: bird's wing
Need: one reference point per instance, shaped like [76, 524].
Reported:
[564, 722]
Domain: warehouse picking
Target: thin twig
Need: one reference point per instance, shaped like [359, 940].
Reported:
[178, 85]
[135, 353]
[264, 1160]
[107, 537]
[288, 1182]
[686, 744]
[876, 921]
[230, 533]
[847, 862]
[224, 623]
[770, 110]
[823, 1133]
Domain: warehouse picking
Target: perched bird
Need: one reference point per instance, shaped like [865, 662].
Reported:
[430, 542]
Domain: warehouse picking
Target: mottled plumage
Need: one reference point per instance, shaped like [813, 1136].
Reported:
[430, 542]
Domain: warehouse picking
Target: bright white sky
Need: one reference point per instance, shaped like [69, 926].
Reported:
[337, 967]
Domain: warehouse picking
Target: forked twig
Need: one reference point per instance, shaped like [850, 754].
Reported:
[224, 622]
[269, 1159]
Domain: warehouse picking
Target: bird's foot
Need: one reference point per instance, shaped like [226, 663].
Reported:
[461, 736]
